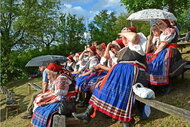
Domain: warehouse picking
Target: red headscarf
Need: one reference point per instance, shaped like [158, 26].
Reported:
[92, 49]
[119, 43]
[167, 22]
[70, 57]
[103, 45]
[53, 68]
[130, 29]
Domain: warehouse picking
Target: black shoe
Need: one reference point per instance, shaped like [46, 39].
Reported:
[85, 116]
[86, 100]
[167, 89]
[26, 116]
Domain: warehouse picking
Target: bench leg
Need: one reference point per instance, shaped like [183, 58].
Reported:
[59, 121]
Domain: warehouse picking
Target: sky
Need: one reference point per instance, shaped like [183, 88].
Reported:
[89, 8]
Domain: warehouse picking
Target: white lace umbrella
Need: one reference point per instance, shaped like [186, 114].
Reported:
[151, 14]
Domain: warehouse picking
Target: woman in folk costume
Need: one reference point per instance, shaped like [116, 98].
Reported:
[46, 104]
[76, 59]
[80, 65]
[107, 61]
[114, 97]
[87, 70]
[153, 41]
[111, 51]
[90, 80]
[100, 70]
[70, 63]
[89, 67]
[158, 62]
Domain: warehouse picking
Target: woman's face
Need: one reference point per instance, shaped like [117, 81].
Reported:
[155, 31]
[100, 52]
[115, 49]
[52, 76]
[125, 40]
[41, 68]
[90, 54]
[76, 58]
[162, 26]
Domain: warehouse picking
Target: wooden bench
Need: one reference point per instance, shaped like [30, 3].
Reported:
[34, 86]
[186, 67]
[63, 121]
[181, 37]
[169, 109]
[183, 44]
[186, 52]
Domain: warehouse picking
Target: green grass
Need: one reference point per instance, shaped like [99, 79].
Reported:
[179, 97]
[22, 96]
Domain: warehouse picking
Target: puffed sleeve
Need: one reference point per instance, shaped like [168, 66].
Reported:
[93, 62]
[141, 47]
[103, 61]
[168, 35]
[61, 87]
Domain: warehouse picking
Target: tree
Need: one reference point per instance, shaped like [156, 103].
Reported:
[174, 6]
[19, 19]
[102, 28]
[71, 29]
[47, 36]
[121, 22]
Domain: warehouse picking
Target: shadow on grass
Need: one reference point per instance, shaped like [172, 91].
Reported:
[17, 83]
[101, 120]
[155, 114]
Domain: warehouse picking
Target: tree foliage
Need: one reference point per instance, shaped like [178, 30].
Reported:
[71, 29]
[174, 6]
[121, 22]
[18, 20]
[30, 28]
[102, 28]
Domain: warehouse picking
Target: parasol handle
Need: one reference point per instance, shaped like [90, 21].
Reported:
[131, 22]
[151, 32]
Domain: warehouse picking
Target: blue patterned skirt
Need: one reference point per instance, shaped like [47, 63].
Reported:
[42, 116]
[159, 67]
[80, 83]
[116, 97]
[92, 80]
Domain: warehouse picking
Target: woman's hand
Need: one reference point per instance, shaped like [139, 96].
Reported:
[42, 103]
[109, 45]
[149, 38]
[98, 66]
